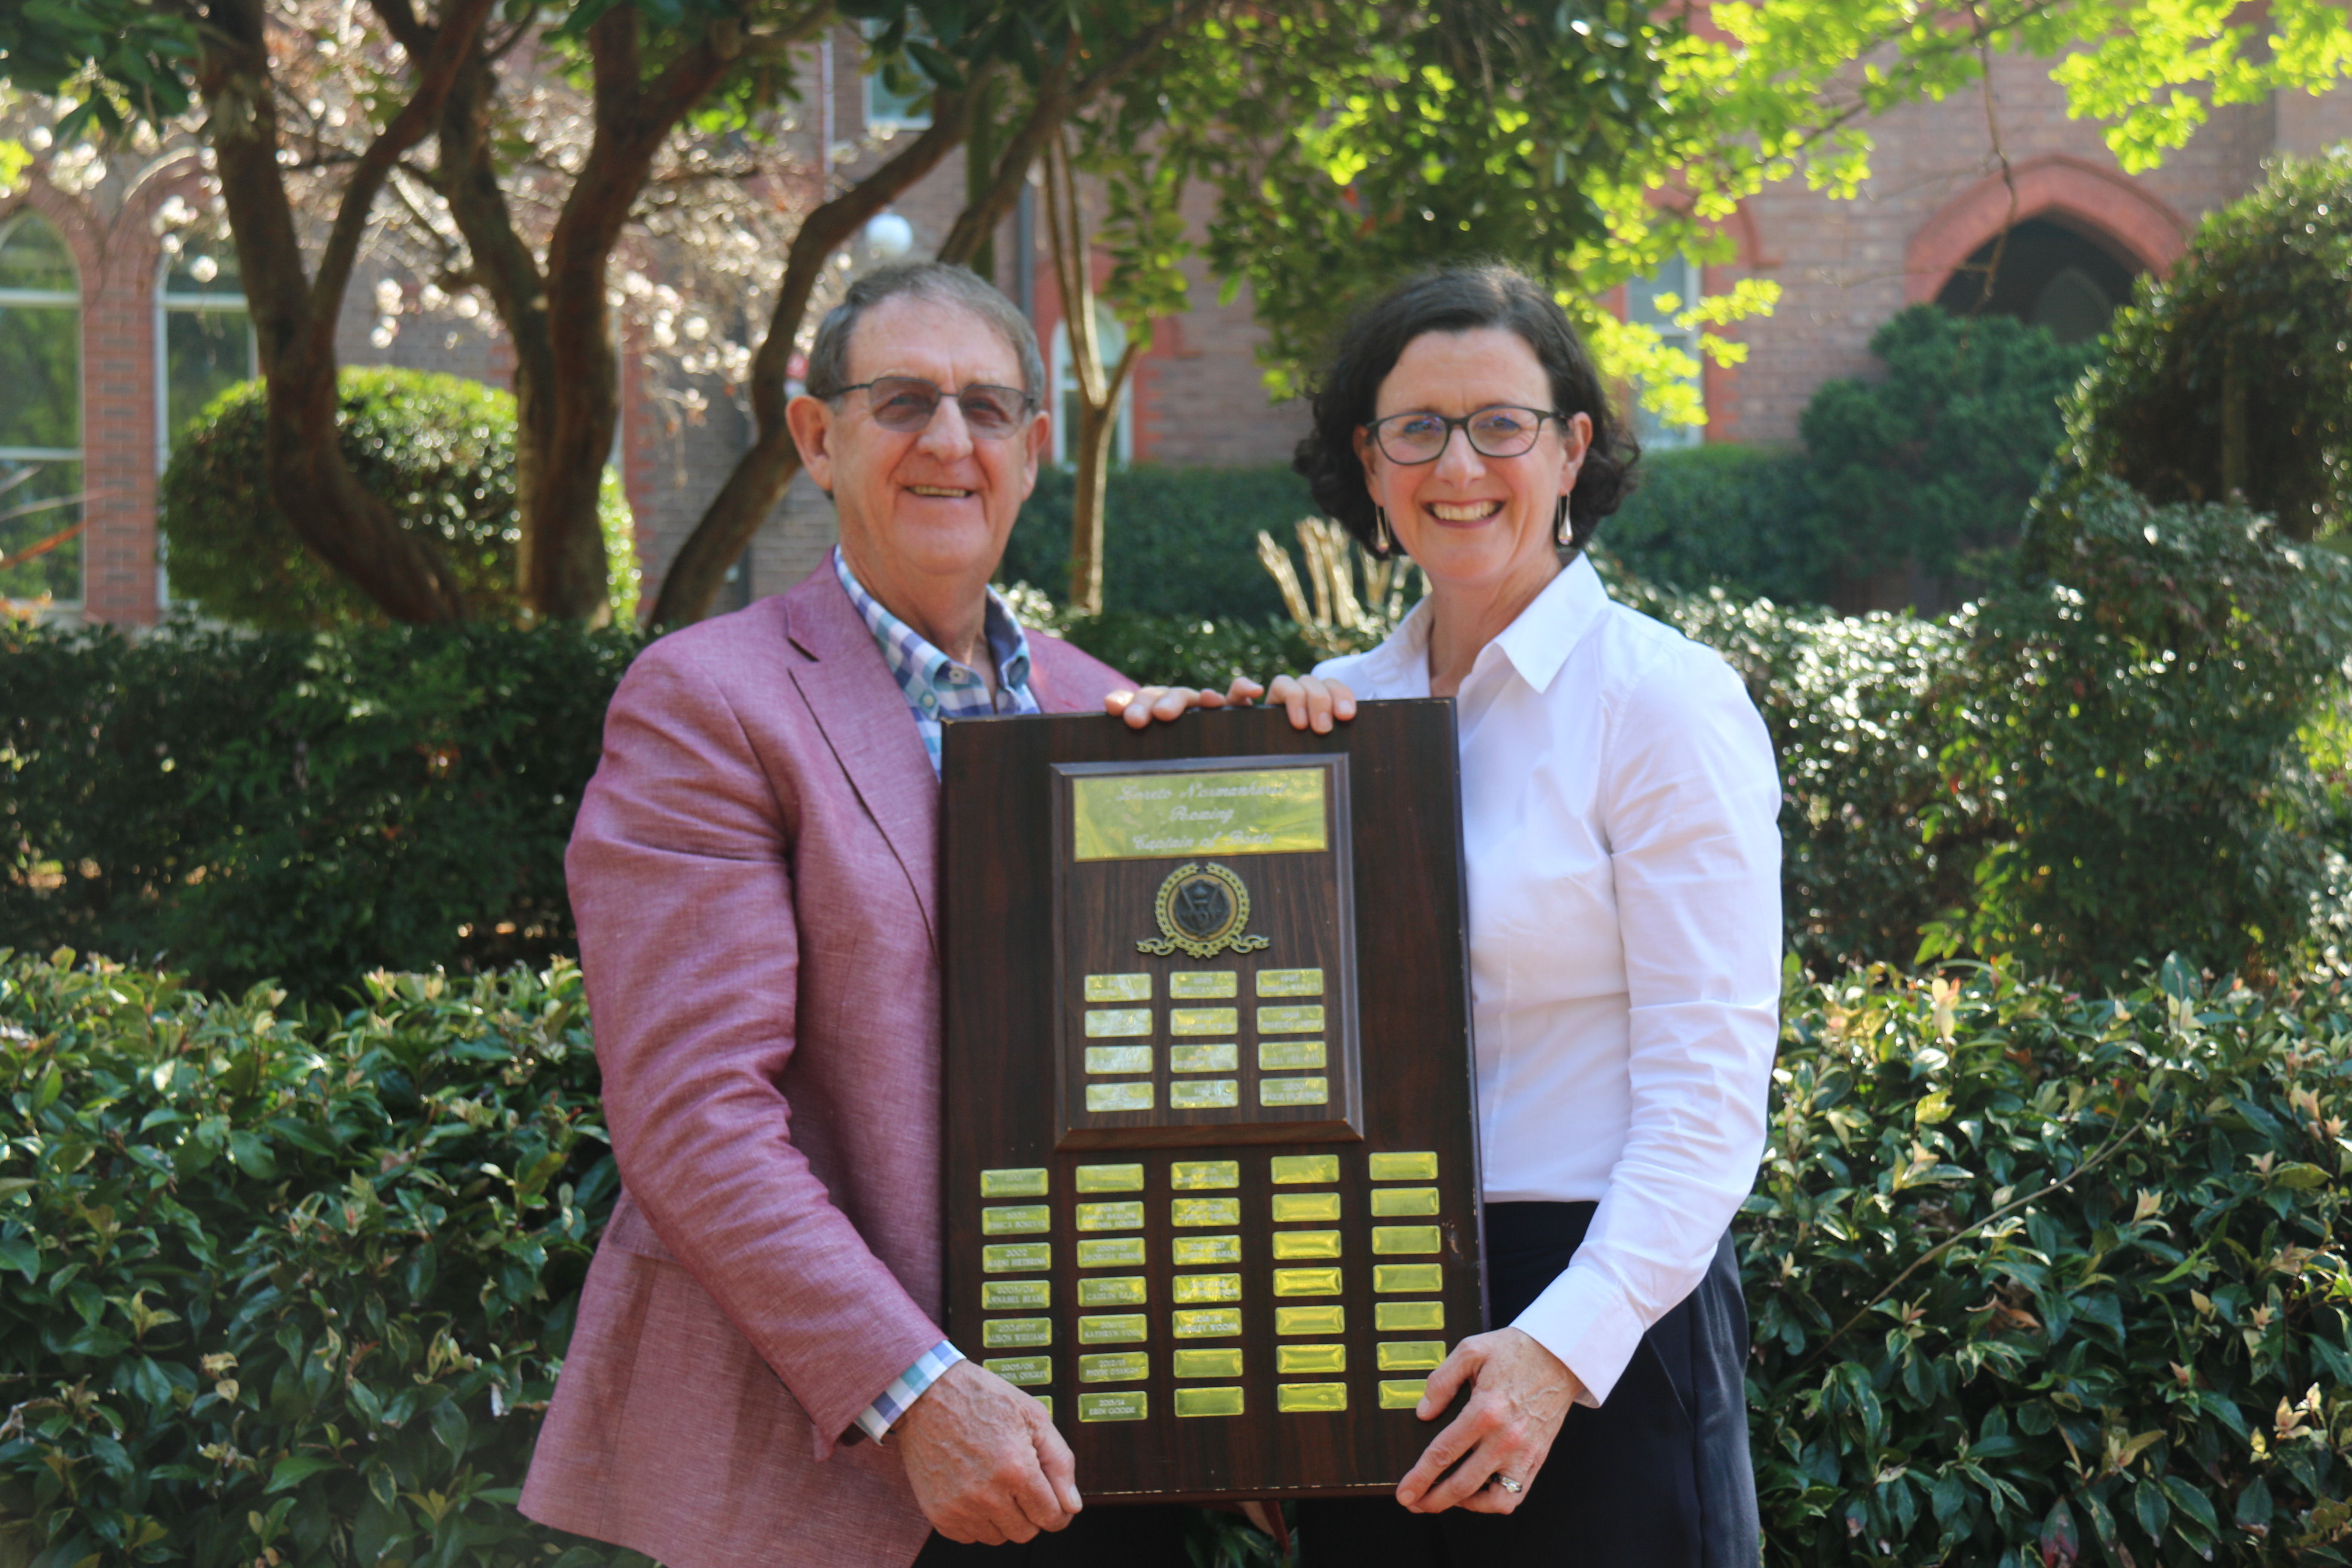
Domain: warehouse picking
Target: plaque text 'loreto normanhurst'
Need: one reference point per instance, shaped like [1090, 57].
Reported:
[1275, 811]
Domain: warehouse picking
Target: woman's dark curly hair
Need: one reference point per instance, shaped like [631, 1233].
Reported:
[1458, 299]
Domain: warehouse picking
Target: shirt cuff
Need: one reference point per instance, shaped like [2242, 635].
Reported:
[877, 1418]
[1585, 1319]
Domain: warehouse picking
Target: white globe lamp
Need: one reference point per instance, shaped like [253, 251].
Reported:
[889, 236]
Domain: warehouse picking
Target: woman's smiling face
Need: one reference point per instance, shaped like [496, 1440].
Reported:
[1468, 520]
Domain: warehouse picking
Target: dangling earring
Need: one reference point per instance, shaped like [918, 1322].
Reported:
[1560, 532]
[1383, 541]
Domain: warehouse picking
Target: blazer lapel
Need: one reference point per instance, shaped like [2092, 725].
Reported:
[863, 714]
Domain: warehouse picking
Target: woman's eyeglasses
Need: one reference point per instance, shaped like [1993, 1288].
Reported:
[905, 404]
[1501, 431]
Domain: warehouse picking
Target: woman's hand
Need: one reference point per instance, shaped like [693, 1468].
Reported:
[1313, 703]
[1520, 1394]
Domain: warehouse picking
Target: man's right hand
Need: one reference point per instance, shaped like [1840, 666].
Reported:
[986, 1465]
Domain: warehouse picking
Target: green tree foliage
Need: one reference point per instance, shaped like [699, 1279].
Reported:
[439, 450]
[2125, 734]
[1936, 460]
[1435, 134]
[2038, 1279]
[2233, 375]
[2029, 1271]
[329, 804]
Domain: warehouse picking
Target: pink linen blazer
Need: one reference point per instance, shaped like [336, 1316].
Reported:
[753, 873]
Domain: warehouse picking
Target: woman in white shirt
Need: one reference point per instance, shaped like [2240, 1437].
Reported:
[1619, 803]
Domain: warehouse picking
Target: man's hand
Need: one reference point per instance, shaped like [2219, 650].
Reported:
[986, 1465]
[1521, 1393]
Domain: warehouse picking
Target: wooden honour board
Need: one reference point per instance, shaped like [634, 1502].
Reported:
[1217, 1204]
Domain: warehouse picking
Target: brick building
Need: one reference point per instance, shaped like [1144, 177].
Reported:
[106, 341]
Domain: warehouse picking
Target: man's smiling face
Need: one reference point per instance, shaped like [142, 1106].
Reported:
[923, 510]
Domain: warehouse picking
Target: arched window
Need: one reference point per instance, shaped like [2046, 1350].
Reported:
[2046, 274]
[40, 414]
[1111, 339]
[205, 334]
[1653, 302]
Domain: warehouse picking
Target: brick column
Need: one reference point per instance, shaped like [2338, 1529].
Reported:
[117, 380]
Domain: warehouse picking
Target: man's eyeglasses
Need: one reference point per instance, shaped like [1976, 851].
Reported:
[905, 404]
[1501, 431]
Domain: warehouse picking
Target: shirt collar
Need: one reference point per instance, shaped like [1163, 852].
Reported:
[921, 667]
[1537, 643]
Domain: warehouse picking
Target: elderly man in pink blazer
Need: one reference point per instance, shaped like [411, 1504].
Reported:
[758, 1375]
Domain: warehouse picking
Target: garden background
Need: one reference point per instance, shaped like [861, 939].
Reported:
[300, 1160]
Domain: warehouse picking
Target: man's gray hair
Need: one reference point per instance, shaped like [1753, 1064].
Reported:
[828, 367]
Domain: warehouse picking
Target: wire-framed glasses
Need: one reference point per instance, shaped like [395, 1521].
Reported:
[905, 404]
[1501, 430]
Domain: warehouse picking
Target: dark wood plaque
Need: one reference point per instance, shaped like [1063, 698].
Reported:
[1211, 1157]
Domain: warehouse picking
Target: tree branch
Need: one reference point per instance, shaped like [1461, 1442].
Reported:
[452, 42]
[1047, 113]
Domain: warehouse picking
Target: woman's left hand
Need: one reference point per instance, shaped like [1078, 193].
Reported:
[1520, 1394]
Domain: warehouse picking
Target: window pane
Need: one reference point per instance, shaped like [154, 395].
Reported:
[37, 504]
[205, 352]
[1654, 301]
[40, 376]
[33, 256]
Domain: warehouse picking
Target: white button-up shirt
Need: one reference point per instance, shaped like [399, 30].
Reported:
[1620, 801]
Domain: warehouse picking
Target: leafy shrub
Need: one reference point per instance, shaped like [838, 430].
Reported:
[1178, 542]
[2038, 1279]
[1937, 462]
[1848, 704]
[439, 450]
[286, 1287]
[2028, 1270]
[2132, 716]
[1735, 518]
[303, 808]
[2232, 373]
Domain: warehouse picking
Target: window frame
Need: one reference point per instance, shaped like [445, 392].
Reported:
[52, 300]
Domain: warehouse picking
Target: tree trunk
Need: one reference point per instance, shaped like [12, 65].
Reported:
[2234, 475]
[294, 314]
[1098, 436]
[504, 266]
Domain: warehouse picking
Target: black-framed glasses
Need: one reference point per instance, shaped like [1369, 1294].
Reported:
[1500, 430]
[905, 404]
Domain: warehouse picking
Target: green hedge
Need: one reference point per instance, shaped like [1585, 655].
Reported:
[1181, 541]
[1735, 518]
[296, 807]
[1178, 542]
[2113, 759]
[2034, 1276]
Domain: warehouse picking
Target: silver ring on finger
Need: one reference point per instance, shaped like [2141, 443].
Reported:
[1509, 1484]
